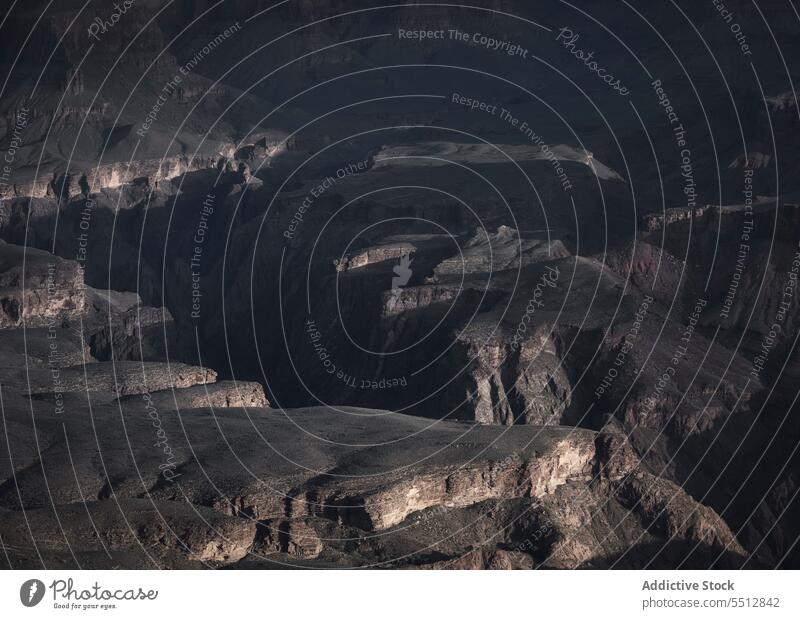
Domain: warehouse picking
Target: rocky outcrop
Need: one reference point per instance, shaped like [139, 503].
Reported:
[119, 327]
[223, 394]
[562, 395]
[542, 494]
[484, 560]
[258, 506]
[373, 255]
[38, 289]
[672, 514]
[121, 377]
[531, 474]
[294, 538]
[505, 249]
[164, 533]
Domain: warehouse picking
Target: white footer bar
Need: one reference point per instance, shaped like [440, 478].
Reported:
[375, 594]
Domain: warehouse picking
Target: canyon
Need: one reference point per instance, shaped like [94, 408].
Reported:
[322, 314]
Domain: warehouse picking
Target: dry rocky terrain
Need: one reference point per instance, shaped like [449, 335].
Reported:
[314, 311]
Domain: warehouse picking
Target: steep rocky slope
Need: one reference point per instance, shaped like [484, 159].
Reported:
[170, 468]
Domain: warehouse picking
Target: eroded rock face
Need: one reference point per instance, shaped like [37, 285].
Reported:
[526, 379]
[223, 394]
[508, 385]
[327, 510]
[166, 533]
[121, 377]
[502, 250]
[577, 491]
[374, 255]
[556, 319]
[47, 297]
[416, 298]
[484, 560]
[389, 506]
[38, 288]
[120, 327]
[294, 538]
[744, 290]
[507, 489]
[671, 513]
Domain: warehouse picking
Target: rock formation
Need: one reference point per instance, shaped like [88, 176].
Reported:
[287, 289]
